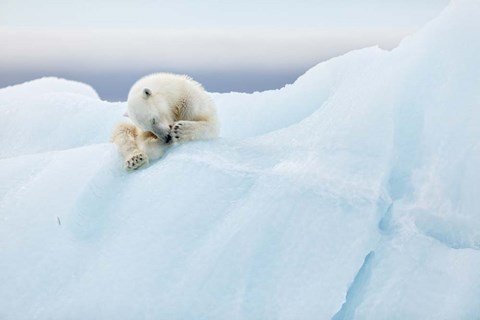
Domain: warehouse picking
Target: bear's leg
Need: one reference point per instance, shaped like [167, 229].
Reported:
[125, 137]
[151, 145]
[193, 130]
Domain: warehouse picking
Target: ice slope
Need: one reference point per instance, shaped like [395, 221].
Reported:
[351, 194]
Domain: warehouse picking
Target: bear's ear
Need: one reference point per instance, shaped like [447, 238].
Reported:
[146, 93]
[126, 114]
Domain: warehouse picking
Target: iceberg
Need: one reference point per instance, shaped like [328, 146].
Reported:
[350, 194]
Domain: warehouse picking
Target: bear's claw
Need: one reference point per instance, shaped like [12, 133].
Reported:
[136, 161]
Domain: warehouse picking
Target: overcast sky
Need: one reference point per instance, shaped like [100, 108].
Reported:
[243, 45]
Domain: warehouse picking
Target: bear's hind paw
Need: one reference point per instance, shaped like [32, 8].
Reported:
[136, 161]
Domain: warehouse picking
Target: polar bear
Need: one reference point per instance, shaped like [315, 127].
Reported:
[165, 109]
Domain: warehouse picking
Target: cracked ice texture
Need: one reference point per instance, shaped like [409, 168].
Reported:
[351, 194]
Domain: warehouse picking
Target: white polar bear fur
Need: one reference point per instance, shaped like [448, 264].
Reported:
[165, 108]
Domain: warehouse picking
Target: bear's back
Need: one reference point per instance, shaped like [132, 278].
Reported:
[166, 84]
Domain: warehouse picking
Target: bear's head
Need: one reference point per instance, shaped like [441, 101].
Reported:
[150, 111]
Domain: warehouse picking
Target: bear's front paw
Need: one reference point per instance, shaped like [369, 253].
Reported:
[136, 161]
[180, 132]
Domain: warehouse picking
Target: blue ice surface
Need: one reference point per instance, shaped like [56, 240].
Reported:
[350, 194]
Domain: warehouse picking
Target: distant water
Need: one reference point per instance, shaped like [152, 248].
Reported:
[114, 86]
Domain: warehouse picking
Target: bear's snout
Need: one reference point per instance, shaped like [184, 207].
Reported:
[163, 133]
